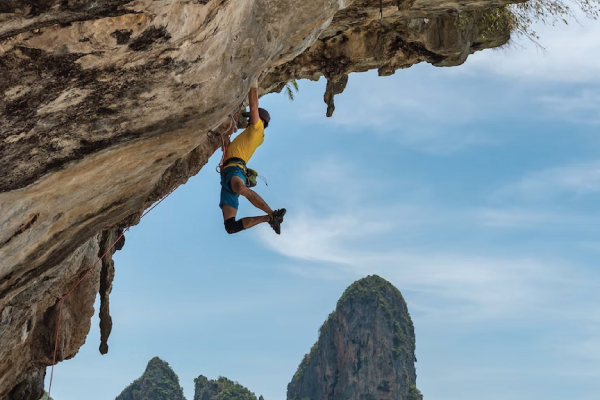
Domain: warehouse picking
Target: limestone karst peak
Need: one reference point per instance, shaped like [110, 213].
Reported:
[158, 382]
[365, 349]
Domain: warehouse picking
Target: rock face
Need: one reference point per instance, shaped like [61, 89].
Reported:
[220, 389]
[158, 382]
[31, 388]
[29, 319]
[365, 349]
[105, 107]
[357, 41]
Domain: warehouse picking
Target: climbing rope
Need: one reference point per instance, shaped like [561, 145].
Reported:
[226, 136]
[231, 128]
[225, 140]
[62, 300]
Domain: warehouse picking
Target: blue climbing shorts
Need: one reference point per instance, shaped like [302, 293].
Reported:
[228, 196]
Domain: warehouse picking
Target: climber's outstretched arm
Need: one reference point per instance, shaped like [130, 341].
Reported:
[253, 101]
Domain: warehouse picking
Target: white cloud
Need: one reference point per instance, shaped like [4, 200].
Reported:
[419, 114]
[446, 282]
[335, 179]
[519, 217]
[448, 285]
[586, 348]
[583, 107]
[572, 55]
[576, 179]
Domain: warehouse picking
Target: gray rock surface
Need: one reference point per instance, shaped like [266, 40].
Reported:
[365, 351]
[105, 107]
[334, 87]
[107, 274]
[31, 388]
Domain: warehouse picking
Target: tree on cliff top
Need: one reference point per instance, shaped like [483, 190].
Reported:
[519, 18]
[549, 12]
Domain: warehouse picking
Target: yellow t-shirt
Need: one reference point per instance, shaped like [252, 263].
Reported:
[244, 145]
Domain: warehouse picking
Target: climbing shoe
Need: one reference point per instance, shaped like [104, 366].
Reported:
[276, 220]
[278, 214]
[275, 224]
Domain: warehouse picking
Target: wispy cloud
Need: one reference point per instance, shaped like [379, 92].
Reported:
[531, 217]
[571, 56]
[578, 179]
[418, 115]
[448, 284]
[581, 107]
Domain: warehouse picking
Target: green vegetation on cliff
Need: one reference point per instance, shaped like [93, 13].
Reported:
[388, 299]
[45, 397]
[414, 393]
[549, 12]
[365, 346]
[158, 382]
[220, 389]
[520, 18]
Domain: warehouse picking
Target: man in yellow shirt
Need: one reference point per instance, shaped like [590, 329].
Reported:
[233, 174]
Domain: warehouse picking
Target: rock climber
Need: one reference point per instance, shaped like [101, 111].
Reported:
[233, 173]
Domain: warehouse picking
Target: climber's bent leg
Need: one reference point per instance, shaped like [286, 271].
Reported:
[233, 226]
[249, 222]
[239, 187]
[232, 185]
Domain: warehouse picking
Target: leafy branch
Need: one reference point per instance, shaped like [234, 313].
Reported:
[519, 18]
[290, 88]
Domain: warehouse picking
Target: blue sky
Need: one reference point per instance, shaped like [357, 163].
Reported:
[473, 189]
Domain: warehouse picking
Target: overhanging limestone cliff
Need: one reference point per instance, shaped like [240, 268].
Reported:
[105, 107]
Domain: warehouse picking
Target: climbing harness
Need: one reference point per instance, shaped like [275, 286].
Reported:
[62, 300]
[250, 174]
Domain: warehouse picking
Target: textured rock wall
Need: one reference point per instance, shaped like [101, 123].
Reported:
[111, 241]
[102, 115]
[365, 349]
[31, 388]
[28, 318]
[105, 107]
[358, 41]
